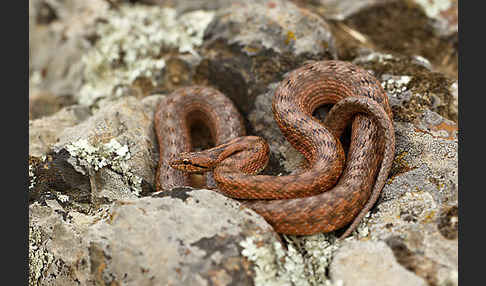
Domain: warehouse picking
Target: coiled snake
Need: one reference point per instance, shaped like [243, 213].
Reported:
[320, 197]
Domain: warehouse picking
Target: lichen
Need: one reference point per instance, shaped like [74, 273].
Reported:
[434, 8]
[374, 57]
[131, 41]
[112, 154]
[32, 167]
[39, 258]
[32, 177]
[273, 265]
[363, 230]
[395, 84]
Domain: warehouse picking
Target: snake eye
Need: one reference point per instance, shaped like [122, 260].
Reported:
[185, 162]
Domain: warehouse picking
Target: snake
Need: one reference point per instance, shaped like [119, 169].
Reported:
[331, 190]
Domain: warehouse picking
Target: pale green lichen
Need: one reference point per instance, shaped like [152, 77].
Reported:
[39, 258]
[396, 84]
[319, 250]
[112, 154]
[63, 198]
[433, 8]
[32, 177]
[363, 230]
[273, 265]
[374, 57]
[131, 41]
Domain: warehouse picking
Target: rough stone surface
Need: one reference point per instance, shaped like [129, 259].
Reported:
[94, 219]
[443, 13]
[417, 212]
[60, 26]
[340, 9]
[148, 241]
[120, 136]
[44, 132]
[273, 25]
[355, 264]
[412, 85]
[251, 44]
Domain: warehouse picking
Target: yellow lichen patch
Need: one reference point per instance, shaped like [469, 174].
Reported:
[251, 50]
[451, 129]
[290, 37]
[441, 130]
[429, 217]
[400, 165]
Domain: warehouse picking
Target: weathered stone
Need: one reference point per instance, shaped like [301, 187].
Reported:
[93, 216]
[185, 238]
[417, 211]
[444, 14]
[412, 86]
[59, 26]
[118, 139]
[251, 44]
[355, 263]
[44, 132]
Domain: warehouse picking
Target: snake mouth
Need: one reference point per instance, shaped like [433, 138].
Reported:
[199, 166]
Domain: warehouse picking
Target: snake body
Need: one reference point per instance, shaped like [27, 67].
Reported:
[321, 197]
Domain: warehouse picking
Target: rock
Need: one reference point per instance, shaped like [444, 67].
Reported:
[412, 86]
[94, 218]
[250, 45]
[355, 264]
[417, 211]
[130, 57]
[185, 238]
[417, 203]
[416, 27]
[340, 9]
[115, 150]
[275, 25]
[44, 132]
[44, 103]
[119, 139]
[443, 13]
[59, 26]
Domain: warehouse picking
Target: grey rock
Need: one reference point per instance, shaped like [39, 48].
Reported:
[275, 25]
[284, 159]
[355, 263]
[341, 9]
[454, 103]
[60, 72]
[44, 132]
[199, 237]
[417, 203]
[412, 85]
[186, 238]
[444, 15]
[423, 163]
[416, 214]
[116, 147]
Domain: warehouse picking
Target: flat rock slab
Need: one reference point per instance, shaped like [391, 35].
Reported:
[187, 237]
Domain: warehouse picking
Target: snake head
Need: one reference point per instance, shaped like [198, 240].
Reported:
[191, 162]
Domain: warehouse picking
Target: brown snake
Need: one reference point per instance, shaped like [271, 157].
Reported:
[321, 197]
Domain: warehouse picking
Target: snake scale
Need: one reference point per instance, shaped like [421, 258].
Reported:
[331, 191]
